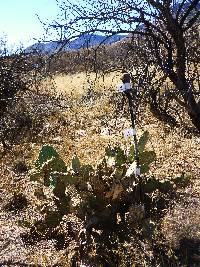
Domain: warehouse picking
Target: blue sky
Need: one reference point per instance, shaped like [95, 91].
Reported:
[18, 20]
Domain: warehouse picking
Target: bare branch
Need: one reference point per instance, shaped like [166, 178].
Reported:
[190, 8]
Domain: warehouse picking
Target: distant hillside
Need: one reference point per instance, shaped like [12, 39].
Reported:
[185, 6]
[87, 40]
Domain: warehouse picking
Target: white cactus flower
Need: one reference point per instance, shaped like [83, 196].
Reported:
[133, 169]
[137, 171]
[129, 132]
[81, 132]
[122, 87]
[127, 86]
[105, 131]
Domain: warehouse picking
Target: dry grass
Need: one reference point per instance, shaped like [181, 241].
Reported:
[78, 84]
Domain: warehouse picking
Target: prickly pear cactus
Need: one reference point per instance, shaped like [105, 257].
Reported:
[51, 171]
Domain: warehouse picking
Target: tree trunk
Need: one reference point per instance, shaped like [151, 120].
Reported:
[194, 113]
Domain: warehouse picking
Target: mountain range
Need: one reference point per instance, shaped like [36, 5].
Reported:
[84, 41]
[87, 40]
